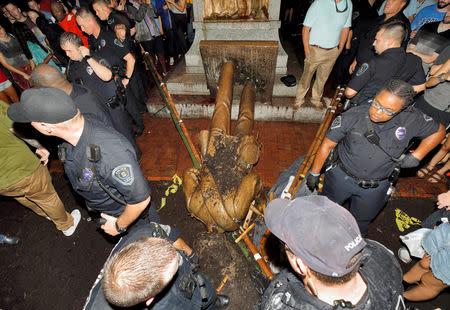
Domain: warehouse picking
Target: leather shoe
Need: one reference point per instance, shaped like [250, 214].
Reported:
[222, 301]
[13, 240]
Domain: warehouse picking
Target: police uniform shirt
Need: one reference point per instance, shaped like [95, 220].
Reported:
[80, 72]
[365, 160]
[109, 47]
[118, 169]
[88, 103]
[392, 63]
[365, 49]
[379, 269]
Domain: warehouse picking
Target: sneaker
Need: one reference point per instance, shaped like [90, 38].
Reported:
[172, 61]
[403, 255]
[76, 219]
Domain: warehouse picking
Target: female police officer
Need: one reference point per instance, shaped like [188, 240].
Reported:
[371, 141]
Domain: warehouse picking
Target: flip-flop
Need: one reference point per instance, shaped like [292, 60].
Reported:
[436, 178]
[424, 171]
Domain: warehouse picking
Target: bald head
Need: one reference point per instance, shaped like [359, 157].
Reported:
[45, 75]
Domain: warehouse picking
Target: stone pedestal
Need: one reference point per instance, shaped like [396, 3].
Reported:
[229, 30]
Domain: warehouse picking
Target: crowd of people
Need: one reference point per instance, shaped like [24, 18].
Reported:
[77, 67]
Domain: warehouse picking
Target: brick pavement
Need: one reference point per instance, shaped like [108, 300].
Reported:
[164, 153]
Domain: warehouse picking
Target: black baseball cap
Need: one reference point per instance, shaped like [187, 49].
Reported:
[43, 104]
[317, 230]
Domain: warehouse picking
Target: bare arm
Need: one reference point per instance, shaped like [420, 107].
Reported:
[425, 57]
[100, 70]
[180, 6]
[129, 58]
[348, 44]
[322, 154]
[129, 215]
[343, 38]
[41, 151]
[305, 39]
[179, 244]
[350, 92]
[429, 143]
[11, 68]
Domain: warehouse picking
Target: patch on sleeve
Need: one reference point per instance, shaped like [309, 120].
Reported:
[362, 69]
[400, 133]
[118, 43]
[123, 174]
[336, 123]
[427, 117]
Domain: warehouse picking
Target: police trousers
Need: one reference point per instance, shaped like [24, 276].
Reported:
[365, 204]
[37, 193]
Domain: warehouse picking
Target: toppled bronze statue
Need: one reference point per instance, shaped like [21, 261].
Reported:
[220, 193]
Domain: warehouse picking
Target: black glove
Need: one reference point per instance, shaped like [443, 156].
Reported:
[312, 181]
[409, 161]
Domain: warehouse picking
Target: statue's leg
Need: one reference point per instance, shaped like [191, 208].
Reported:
[222, 112]
[244, 126]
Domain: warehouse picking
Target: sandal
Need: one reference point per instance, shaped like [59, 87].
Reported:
[436, 178]
[424, 171]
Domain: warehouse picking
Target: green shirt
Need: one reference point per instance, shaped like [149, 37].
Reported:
[17, 161]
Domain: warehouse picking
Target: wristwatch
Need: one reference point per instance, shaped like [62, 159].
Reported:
[440, 77]
[87, 57]
[120, 229]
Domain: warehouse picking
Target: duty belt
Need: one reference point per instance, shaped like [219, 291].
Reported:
[366, 184]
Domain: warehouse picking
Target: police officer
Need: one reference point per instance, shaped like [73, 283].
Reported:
[94, 73]
[371, 143]
[153, 249]
[100, 163]
[105, 44]
[45, 75]
[393, 11]
[391, 62]
[112, 19]
[333, 267]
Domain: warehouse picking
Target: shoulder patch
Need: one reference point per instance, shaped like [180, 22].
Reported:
[88, 174]
[118, 43]
[337, 122]
[400, 133]
[427, 117]
[89, 70]
[123, 174]
[362, 69]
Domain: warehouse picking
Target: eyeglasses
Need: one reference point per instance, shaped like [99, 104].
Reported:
[379, 107]
[345, 9]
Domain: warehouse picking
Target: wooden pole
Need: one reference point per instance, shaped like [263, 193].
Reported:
[312, 151]
[195, 157]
